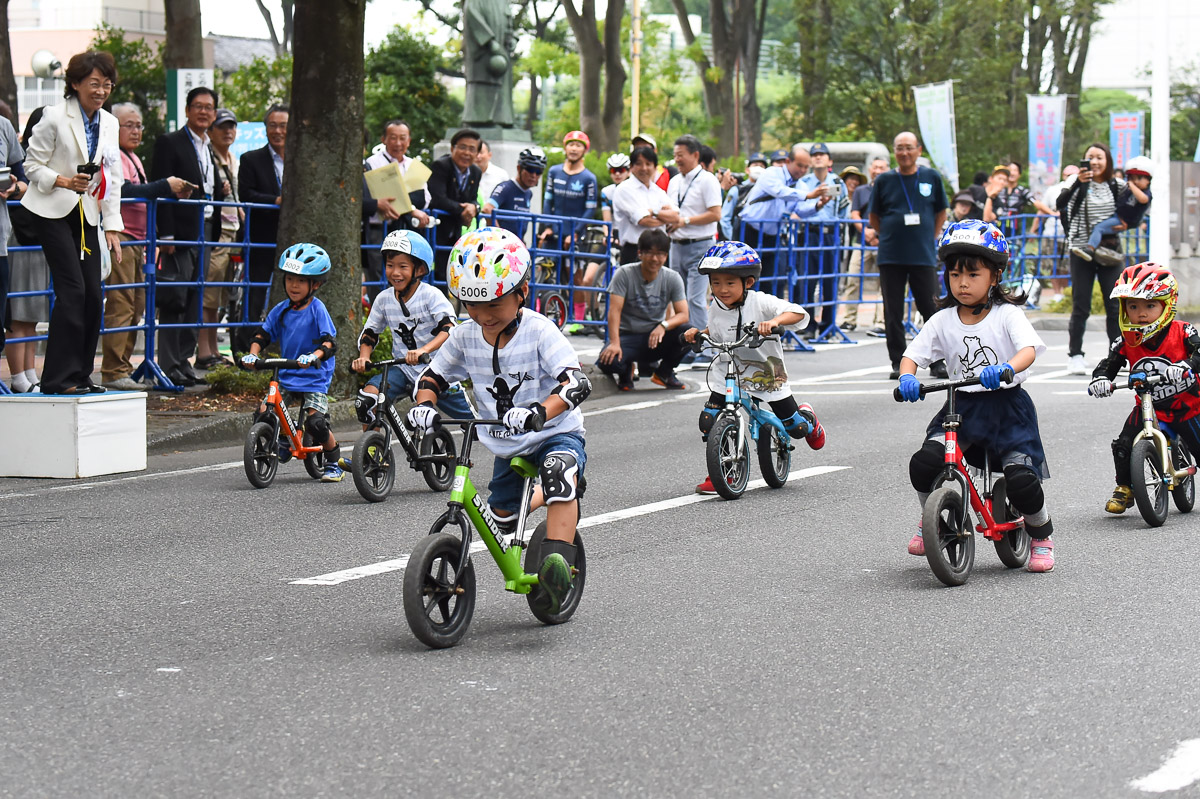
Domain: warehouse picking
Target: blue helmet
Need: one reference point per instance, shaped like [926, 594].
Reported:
[975, 237]
[307, 260]
[731, 258]
[412, 243]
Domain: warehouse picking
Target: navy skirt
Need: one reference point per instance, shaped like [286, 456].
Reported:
[1004, 422]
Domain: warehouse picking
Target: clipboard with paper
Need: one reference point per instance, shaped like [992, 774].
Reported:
[389, 181]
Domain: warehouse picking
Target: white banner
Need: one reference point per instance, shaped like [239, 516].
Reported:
[935, 115]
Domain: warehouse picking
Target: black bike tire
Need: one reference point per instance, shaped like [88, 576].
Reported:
[725, 427]
[258, 455]
[1149, 493]
[438, 474]
[770, 441]
[1013, 549]
[533, 560]
[940, 528]
[314, 462]
[1184, 494]
[420, 581]
[374, 475]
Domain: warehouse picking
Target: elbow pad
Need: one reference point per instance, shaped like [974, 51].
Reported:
[432, 381]
[573, 388]
[443, 326]
[328, 346]
[261, 338]
[368, 337]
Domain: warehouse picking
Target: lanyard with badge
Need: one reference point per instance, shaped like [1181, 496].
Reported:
[912, 217]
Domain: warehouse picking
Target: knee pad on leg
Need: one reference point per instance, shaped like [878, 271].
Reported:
[317, 425]
[1024, 489]
[708, 416]
[364, 406]
[1121, 451]
[925, 464]
[558, 474]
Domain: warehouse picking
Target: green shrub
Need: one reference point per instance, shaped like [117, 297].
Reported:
[232, 380]
[1064, 305]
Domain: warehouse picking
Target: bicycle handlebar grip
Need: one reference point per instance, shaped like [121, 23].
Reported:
[535, 423]
[777, 330]
[1007, 376]
[425, 357]
[699, 342]
[896, 395]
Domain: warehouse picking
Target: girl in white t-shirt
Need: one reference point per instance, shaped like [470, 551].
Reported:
[980, 332]
[732, 268]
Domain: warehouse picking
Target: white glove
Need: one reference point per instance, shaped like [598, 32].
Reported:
[1101, 387]
[306, 359]
[1176, 373]
[249, 359]
[517, 418]
[423, 417]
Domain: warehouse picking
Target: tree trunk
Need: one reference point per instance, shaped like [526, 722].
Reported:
[8, 83]
[609, 139]
[185, 45]
[535, 97]
[322, 176]
[591, 61]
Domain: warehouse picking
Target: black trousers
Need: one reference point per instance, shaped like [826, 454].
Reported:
[892, 280]
[821, 269]
[261, 269]
[1122, 445]
[372, 259]
[176, 345]
[629, 254]
[635, 348]
[1083, 275]
[78, 302]
[3, 296]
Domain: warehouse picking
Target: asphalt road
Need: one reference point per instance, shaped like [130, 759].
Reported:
[157, 643]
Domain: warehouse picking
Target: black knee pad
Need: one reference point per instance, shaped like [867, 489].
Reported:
[1121, 450]
[317, 425]
[925, 465]
[708, 417]
[1024, 488]
[558, 474]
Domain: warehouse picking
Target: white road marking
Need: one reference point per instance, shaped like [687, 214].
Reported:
[398, 564]
[217, 467]
[1180, 770]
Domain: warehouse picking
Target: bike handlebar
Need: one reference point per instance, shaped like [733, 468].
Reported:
[534, 425]
[750, 338]
[272, 363]
[1006, 376]
[424, 357]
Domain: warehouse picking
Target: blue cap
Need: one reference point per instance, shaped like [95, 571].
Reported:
[779, 155]
[820, 148]
[756, 156]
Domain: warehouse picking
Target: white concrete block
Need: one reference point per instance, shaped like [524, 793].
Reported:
[62, 436]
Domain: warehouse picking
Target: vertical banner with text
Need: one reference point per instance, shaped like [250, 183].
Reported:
[1047, 116]
[1125, 135]
[935, 115]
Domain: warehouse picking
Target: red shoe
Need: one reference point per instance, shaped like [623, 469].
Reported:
[706, 487]
[815, 439]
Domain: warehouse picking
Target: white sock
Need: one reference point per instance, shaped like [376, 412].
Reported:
[30, 376]
[20, 384]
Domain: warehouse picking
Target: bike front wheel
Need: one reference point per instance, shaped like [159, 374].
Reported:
[728, 464]
[1013, 548]
[439, 595]
[440, 473]
[258, 455]
[774, 455]
[1184, 493]
[314, 462]
[373, 467]
[533, 561]
[1149, 490]
[949, 545]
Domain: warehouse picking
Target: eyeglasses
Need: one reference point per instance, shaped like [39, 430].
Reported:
[466, 148]
[133, 125]
[906, 148]
[199, 107]
[107, 85]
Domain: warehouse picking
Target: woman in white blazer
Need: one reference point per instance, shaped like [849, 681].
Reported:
[72, 160]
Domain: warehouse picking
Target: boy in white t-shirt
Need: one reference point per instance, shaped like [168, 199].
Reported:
[521, 366]
[732, 268]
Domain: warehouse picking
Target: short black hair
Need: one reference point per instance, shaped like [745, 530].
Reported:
[199, 90]
[688, 142]
[645, 153]
[276, 108]
[979, 179]
[707, 155]
[654, 239]
[465, 133]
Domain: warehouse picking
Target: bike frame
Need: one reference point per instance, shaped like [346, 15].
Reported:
[1152, 430]
[751, 422]
[390, 421]
[276, 405]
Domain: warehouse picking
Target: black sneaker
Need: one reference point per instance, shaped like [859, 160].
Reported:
[894, 374]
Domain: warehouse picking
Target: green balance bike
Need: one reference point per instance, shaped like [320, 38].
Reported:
[439, 580]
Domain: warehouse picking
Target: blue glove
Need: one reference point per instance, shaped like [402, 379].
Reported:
[305, 360]
[249, 359]
[989, 378]
[910, 388]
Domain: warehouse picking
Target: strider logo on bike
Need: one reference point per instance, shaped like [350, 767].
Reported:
[977, 355]
[489, 521]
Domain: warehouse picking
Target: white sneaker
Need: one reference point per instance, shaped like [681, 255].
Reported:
[1076, 365]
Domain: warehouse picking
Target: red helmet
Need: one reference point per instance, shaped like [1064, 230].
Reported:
[1146, 281]
[580, 136]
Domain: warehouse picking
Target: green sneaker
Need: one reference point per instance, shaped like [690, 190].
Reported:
[573, 329]
[554, 577]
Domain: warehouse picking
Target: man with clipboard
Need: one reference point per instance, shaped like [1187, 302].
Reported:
[393, 211]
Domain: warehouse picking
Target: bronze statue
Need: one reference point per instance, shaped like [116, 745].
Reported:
[488, 57]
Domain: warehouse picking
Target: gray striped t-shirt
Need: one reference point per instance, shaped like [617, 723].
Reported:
[1099, 205]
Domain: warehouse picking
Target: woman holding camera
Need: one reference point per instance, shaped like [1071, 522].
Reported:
[73, 164]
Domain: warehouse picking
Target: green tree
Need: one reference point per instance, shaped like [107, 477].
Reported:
[402, 81]
[251, 89]
[141, 79]
[1185, 112]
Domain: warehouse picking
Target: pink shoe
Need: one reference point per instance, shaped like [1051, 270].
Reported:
[815, 439]
[706, 487]
[1041, 556]
[916, 544]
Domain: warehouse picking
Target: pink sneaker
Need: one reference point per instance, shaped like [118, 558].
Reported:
[815, 439]
[916, 544]
[1041, 556]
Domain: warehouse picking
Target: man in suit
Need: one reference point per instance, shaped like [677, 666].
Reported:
[260, 180]
[396, 138]
[454, 189]
[185, 154]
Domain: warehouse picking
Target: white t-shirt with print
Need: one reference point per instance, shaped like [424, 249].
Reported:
[1003, 333]
[763, 374]
[426, 310]
[530, 365]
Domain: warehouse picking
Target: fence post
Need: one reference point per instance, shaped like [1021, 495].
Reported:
[148, 369]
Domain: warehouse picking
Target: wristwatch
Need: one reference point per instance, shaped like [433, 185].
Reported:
[664, 324]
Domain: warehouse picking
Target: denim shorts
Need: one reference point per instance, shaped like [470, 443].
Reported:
[452, 402]
[505, 489]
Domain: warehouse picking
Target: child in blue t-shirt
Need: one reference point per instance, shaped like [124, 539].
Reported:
[306, 333]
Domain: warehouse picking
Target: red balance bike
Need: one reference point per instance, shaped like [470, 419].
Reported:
[946, 524]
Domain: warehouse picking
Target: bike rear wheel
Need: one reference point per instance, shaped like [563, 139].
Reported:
[314, 462]
[440, 473]
[1149, 490]
[553, 306]
[774, 455]
[1013, 548]
[533, 561]
[728, 464]
[259, 456]
[1183, 494]
[949, 547]
[373, 466]
[439, 596]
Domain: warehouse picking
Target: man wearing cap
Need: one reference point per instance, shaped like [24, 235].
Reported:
[775, 196]
[862, 260]
[696, 192]
[735, 198]
[663, 174]
[820, 240]
[571, 190]
[220, 138]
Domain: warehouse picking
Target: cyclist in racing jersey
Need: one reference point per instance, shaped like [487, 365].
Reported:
[514, 194]
[571, 190]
